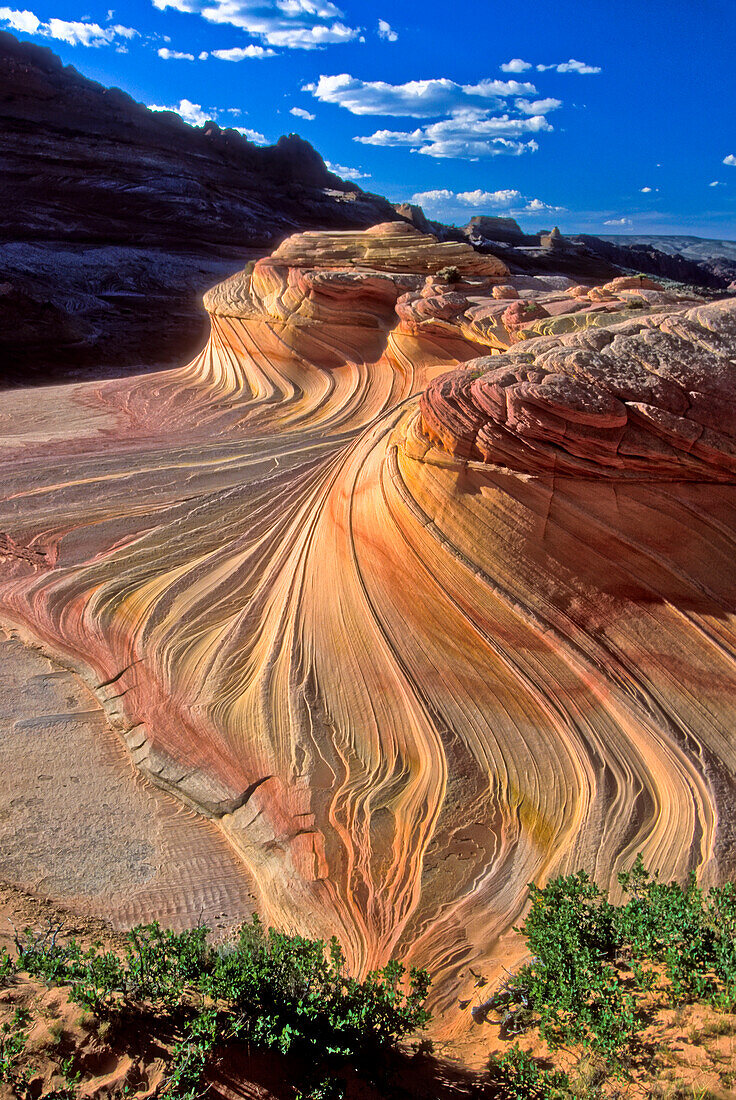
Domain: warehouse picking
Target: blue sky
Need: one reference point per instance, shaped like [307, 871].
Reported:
[599, 116]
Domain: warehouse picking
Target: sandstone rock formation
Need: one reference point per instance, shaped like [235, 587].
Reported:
[651, 397]
[415, 609]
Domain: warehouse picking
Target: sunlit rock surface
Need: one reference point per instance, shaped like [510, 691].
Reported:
[415, 607]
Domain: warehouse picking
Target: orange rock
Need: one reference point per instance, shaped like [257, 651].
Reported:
[408, 623]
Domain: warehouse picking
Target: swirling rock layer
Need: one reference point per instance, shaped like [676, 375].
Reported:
[411, 630]
[650, 398]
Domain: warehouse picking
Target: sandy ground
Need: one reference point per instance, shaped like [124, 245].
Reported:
[81, 826]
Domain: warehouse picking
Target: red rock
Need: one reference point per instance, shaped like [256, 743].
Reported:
[626, 406]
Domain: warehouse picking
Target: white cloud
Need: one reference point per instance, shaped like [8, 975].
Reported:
[468, 126]
[286, 24]
[467, 198]
[536, 206]
[510, 201]
[174, 55]
[716, 183]
[204, 55]
[570, 66]
[75, 33]
[347, 173]
[516, 65]
[730, 160]
[24, 21]
[386, 31]
[299, 112]
[190, 112]
[467, 135]
[252, 135]
[85, 34]
[627, 222]
[416, 98]
[537, 106]
[240, 53]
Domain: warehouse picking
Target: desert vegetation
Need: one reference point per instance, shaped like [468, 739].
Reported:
[270, 990]
[593, 1013]
[601, 975]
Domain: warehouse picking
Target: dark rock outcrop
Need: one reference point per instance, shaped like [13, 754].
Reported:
[98, 193]
[651, 261]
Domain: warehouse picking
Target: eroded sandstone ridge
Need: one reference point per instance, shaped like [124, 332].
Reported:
[418, 582]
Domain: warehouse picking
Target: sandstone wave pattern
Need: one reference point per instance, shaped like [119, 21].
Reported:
[417, 583]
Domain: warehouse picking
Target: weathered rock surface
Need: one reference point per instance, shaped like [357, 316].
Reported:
[112, 215]
[650, 398]
[415, 609]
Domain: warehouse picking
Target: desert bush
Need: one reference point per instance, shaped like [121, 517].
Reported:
[571, 985]
[519, 1077]
[279, 992]
[594, 966]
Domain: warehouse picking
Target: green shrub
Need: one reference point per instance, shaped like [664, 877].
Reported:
[7, 966]
[593, 964]
[13, 1039]
[571, 984]
[520, 1077]
[276, 991]
[667, 923]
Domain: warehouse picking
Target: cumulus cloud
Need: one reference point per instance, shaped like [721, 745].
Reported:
[516, 65]
[386, 31]
[347, 173]
[24, 21]
[284, 24]
[190, 112]
[240, 53]
[627, 222]
[252, 135]
[468, 135]
[416, 98]
[536, 206]
[467, 198]
[571, 66]
[74, 32]
[299, 112]
[537, 106]
[174, 55]
[510, 201]
[473, 120]
[730, 160]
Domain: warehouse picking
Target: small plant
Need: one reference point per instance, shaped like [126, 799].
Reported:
[275, 991]
[571, 985]
[13, 1039]
[520, 1077]
[7, 967]
[450, 274]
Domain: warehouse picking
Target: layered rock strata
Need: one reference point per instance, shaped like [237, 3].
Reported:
[113, 216]
[646, 398]
[415, 606]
